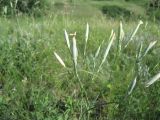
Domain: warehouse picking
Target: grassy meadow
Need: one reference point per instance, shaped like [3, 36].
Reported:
[109, 70]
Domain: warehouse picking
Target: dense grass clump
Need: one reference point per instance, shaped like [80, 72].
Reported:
[12, 7]
[116, 12]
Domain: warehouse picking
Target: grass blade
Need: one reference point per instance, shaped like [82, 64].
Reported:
[153, 80]
[98, 50]
[75, 51]
[121, 32]
[120, 38]
[108, 48]
[121, 35]
[133, 84]
[67, 39]
[87, 33]
[59, 59]
[134, 33]
[112, 37]
[97, 53]
[86, 38]
[149, 47]
[139, 51]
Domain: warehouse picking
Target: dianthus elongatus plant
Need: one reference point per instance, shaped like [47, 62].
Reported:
[73, 50]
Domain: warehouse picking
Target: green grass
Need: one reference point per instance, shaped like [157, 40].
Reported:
[34, 85]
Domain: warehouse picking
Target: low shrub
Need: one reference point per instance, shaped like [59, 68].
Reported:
[59, 4]
[11, 7]
[115, 11]
[154, 14]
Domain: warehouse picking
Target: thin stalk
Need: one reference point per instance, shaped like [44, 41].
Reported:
[97, 54]
[75, 55]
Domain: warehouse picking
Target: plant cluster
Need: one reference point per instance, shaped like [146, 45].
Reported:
[85, 74]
